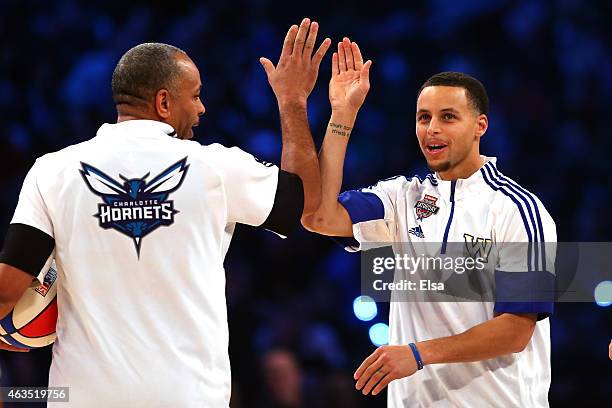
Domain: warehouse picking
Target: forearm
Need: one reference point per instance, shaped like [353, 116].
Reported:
[330, 218]
[332, 155]
[13, 282]
[5, 308]
[504, 334]
[298, 153]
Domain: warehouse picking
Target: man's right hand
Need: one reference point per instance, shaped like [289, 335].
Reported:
[13, 284]
[348, 88]
[350, 81]
[294, 76]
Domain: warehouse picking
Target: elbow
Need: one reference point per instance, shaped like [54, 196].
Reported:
[307, 222]
[311, 221]
[316, 222]
[516, 331]
[519, 346]
[329, 221]
[308, 211]
[521, 339]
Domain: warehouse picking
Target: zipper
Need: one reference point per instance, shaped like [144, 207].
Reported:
[450, 218]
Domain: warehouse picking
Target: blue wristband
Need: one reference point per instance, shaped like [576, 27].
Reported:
[417, 356]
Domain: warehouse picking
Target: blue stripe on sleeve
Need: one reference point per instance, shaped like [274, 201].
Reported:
[525, 292]
[489, 166]
[521, 211]
[535, 206]
[362, 206]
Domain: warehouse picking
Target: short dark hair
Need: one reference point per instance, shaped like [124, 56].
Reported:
[474, 89]
[144, 70]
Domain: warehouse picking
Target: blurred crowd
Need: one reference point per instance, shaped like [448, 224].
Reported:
[294, 341]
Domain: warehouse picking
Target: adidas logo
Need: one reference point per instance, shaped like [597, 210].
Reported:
[417, 232]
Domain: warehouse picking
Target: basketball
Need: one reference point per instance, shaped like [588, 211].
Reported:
[31, 323]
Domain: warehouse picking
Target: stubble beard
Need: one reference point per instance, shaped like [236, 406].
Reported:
[444, 166]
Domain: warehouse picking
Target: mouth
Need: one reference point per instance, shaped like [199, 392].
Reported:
[435, 149]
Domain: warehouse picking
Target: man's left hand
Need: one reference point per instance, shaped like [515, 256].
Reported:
[386, 364]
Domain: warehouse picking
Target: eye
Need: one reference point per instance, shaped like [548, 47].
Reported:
[449, 116]
[423, 117]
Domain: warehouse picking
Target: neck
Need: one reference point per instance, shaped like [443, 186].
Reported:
[463, 170]
[127, 112]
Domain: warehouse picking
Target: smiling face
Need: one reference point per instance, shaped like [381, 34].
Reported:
[449, 128]
[184, 105]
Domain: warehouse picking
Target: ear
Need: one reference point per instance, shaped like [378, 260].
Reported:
[482, 124]
[162, 103]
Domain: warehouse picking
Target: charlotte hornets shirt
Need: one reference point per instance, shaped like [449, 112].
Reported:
[141, 222]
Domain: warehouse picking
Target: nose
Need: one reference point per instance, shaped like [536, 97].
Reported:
[434, 127]
[202, 109]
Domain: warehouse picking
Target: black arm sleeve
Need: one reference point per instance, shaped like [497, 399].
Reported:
[288, 204]
[26, 248]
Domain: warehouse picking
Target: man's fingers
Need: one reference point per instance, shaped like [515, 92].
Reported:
[268, 66]
[357, 56]
[378, 375]
[383, 383]
[310, 41]
[364, 75]
[366, 363]
[335, 68]
[369, 371]
[288, 43]
[300, 38]
[341, 58]
[318, 57]
[348, 53]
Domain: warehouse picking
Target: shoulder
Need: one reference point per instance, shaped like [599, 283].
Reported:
[218, 153]
[517, 204]
[217, 149]
[233, 164]
[392, 186]
[54, 162]
[379, 200]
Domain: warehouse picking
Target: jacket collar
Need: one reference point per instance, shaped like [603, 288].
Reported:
[464, 187]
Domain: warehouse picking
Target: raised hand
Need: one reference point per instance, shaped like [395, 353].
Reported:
[350, 81]
[297, 69]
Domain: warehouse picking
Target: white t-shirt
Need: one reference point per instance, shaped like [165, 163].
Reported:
[142, 222]
[485, 208]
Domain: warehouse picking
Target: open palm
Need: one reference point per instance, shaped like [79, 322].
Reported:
[350, 81]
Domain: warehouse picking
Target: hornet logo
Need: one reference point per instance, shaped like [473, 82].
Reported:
[135, 207]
